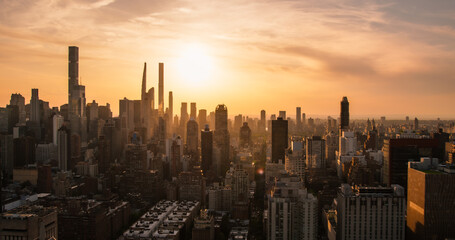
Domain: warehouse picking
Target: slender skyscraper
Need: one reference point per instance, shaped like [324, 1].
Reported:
[161, 89]
[145, 103]
[206, 149]
[193, 110]
[263, 120]
[34, 104]
[171, 107]
[222, 137]
[298, 116]
[344, 115]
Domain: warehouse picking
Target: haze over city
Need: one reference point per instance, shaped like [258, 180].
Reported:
[391, 58]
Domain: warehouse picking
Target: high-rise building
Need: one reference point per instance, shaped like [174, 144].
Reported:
[193, 110]
[63, 148]
[206, 149]
[431, 200]
[220, 198]
[371, 213]
[292, 211]
[263, 120]
[192, 139]
[331, 146]
[245, 135]
[344, 114]
[279, 139]
[34, 105]
[161, 89]
[202, 117]
[183, 117]
[416, 124]
[397, 154]
[57, 122]
[315, 152]
[171, 108]
[136, 155]
[298, 118]
[221, 137]
[18, 100]
[237, 179]
[76, 96]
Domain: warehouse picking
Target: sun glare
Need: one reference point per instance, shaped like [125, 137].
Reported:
[195, 65]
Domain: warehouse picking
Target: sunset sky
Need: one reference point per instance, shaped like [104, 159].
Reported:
[392, 58]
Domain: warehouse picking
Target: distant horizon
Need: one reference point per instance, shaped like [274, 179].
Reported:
[390, 58]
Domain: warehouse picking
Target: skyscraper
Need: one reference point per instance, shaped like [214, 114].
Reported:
[35, 108]
[245, 135]
[206, 149]
[192, 139]
[161, 89]
[193, 111]
[222, 137]
[344, 115]
[64, 148]
[279, 139]
[202, 117]
[145, 104]
[298, 118]
[171, 108]
[263, 121]
[76, 96]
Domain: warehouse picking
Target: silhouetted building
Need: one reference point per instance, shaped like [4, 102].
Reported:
[397, 154]
[44, 182]
[161, 89]
[206, 149]
[245, 135]
[279, 139]
[24, 151]
[344, 114]
[221, 137]
[192, 140]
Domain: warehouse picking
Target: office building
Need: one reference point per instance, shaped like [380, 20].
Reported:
[344, 114]
[292, 211]
[279, 139]
[221, 138]
[431, 200]
[237, 179]
[315, 152]
[370, 213]
[29, 222]
[206, 149]
[161, 89]
[245, 136]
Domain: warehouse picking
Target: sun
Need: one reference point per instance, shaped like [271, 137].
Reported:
[195, 65]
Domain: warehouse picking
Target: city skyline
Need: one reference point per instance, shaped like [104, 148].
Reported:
[221, 61]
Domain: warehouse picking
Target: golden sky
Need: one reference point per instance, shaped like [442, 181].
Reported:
[391, 58]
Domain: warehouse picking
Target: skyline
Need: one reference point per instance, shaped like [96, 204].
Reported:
[415, 71]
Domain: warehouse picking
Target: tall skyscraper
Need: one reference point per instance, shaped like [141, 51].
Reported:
[263, 121]
[193, 111]
[344, 115]
[202, 117]
[183, 118]
[34, 105]
[245, 135]
[57, 122]
[76, 96]
[431, 200]
[298, 117]
[145, 104]
[192, 139]
[64, 148]
[222, 140]
[206, 149]
[171, 108]
[279, 139]
[161, 89]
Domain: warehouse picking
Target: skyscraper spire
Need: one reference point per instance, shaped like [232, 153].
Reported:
[144, 83]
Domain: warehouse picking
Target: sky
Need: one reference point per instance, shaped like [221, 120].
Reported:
[390, 58]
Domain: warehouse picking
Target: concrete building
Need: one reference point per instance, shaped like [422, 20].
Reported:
[295, 159]
[220, 198]
[29, 222]
[370, 213]
[237, 179]
[292, 211]
[431, 200]
[204, 227]
[315, 152]
[344, 114]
